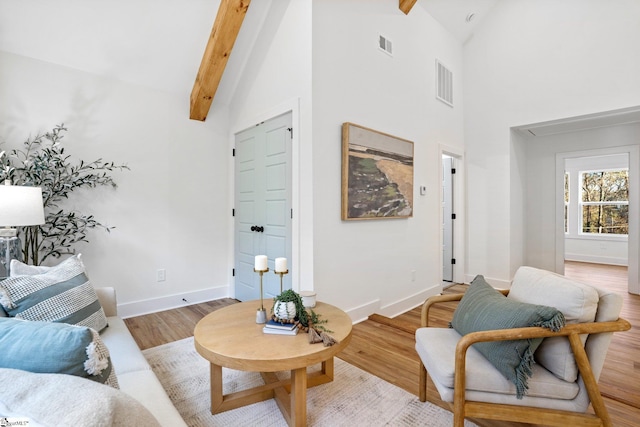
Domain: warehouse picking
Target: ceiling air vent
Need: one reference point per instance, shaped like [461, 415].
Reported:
[444, 84]
[385, 44]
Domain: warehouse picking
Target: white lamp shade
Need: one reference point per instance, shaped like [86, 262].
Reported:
[20, 206]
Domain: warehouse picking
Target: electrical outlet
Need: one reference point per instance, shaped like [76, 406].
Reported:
[161, 275]
[413, 275]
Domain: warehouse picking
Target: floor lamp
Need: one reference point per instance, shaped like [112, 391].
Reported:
[19, 206]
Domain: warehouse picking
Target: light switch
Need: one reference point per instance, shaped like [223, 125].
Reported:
[423, 190]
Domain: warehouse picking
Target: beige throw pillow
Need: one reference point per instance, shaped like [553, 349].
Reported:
[578, 302]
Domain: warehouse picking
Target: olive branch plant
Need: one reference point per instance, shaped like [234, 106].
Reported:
[42, 162]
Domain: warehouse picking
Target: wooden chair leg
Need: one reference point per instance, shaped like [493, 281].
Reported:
[422, 387]
[460, 385]
[458, 417]
[589, 380]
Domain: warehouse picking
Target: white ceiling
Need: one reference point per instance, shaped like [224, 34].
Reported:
[152, 43]
[157, 44]
[452, 14]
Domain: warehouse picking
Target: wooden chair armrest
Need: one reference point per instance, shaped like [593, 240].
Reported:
[537, 332]
[436, 299]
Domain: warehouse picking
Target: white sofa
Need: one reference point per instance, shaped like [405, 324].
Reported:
[58, 400]
[134, 373]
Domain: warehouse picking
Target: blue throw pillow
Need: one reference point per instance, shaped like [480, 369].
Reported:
[58, 294]
[58, 348]
[484, 308]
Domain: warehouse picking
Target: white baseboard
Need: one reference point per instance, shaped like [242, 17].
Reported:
[595, 259]
[139, 308]
[496, 283]
[362, 312]
[357, 314]
[402, 306]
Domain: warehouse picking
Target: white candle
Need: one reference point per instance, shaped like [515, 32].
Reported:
[261, 263]
[281, 265]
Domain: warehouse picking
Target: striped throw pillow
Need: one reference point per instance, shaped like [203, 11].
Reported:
[62, 294]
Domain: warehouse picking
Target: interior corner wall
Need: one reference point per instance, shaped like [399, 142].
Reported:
[517, 201]
[532, 62]
[167, 210]
[371, 264]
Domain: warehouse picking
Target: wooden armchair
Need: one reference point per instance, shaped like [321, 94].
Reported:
[475, 388]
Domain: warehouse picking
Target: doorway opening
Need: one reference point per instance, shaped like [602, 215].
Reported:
[597, 209]
[451, 222]
[631, 155]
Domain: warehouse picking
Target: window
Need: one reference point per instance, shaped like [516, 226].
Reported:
[604, 202]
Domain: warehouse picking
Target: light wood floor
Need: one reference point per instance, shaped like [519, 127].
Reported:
[385, 347]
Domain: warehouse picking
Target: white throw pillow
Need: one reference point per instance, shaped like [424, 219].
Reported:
[66, 400]
[577, 301]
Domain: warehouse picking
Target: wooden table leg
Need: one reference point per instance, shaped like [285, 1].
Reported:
[298, 397]
[327, 368]
[216, 387]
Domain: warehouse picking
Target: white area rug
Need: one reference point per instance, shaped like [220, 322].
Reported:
[353, 398]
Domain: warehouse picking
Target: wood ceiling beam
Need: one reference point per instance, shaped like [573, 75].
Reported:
[406, 5]
[225, 30]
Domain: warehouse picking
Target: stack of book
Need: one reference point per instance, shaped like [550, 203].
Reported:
[275, 327]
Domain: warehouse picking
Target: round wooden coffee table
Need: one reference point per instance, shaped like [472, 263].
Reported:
[230, 338]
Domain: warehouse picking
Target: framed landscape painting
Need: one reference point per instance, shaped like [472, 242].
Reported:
[377, 174]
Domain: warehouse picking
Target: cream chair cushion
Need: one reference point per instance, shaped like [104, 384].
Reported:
[436, 348]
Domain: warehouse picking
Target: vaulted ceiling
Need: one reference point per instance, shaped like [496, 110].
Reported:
[225, 30]
[161, 44]
[460, 15]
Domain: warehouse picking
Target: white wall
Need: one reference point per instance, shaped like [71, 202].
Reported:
[603, 251]
[533, 62]
[366, 266]
[277, 79]
[170, 211]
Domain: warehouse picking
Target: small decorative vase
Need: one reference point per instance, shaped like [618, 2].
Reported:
[284, 310]
[308, 299]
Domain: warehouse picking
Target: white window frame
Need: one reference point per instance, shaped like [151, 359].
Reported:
[581, 204]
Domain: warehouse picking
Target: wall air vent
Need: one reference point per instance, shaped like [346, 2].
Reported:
[444, 84]
[384, 44]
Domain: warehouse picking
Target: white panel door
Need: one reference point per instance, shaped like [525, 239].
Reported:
[262, 205]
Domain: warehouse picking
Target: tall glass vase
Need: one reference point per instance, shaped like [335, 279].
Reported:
[10, 248]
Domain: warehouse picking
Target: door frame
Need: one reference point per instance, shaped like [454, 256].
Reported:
[459, 225]
[447, 203]
[290, 106]
[633, 241]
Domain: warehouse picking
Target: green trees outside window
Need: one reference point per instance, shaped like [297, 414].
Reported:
[604, 202]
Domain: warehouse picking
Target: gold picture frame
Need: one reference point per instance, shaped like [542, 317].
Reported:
[377, 174]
